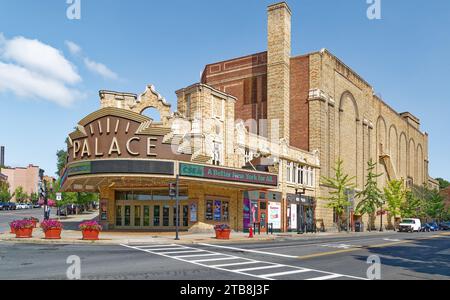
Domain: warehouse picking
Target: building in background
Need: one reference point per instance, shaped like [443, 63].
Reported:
[27, 178]
[250, 143]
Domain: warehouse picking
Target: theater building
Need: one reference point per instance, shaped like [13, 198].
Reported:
[249, 143]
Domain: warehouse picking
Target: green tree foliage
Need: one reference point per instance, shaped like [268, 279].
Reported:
[435, 206]
[395, 196]
[339, 184]
[61, 161]
[34, 198]
[5, 195]
[443, 184]
[371, 197]
[20, 195]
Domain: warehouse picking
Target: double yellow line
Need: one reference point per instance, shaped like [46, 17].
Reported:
[315, 255]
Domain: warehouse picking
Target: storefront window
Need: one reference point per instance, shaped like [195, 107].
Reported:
[186, 215]
[209, 211]
[146, 216]
[166, 213]
[119, 216]
[137, 216]
[156, 216]
[217, 211]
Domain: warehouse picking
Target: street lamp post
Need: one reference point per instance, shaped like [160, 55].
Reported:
[177, 197]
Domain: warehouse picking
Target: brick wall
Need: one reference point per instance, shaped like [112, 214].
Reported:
[299, 106]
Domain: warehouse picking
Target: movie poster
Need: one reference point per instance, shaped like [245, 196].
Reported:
[217, 211]
[275, 215]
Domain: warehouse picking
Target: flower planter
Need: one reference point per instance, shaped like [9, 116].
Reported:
[223, 234]
[90, 235]
[53, 234]
[24, 233]
[34, 223]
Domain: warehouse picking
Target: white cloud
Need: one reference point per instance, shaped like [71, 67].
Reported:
[91, 65]
[32, 69]
[100, 69]
[39, 57]
[73, 48]
[26, 83]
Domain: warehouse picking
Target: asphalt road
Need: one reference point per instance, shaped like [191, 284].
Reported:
[403, 257]
[7, 217]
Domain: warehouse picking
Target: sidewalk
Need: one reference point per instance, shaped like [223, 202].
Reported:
[71, 235]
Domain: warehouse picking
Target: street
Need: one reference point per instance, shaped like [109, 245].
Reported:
[403, 256]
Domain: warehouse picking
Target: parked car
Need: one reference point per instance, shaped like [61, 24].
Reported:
[410, 225]
[444, 226]
[22, 206]
[2, 206]
[429, 227]
[37, 206]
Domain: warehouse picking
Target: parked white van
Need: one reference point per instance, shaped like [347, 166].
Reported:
[410, 225]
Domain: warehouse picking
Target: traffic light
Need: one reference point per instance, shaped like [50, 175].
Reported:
[172, 189]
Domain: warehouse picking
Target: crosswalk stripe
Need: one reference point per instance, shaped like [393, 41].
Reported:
[326, 277]
[260, 268]
[154, 246]
[285, 273]
[199, 255]
[238, 264]
[216, 259]
[178, 252]
[164, 249]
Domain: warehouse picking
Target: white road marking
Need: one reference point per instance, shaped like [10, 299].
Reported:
[326, 277]
[254, 262]
[197, 255]
[286, 273]
[260, 268]
[289, 270]
[391, 240]
[181, 252]
[216, 259]
[339, 246]
[250, 251]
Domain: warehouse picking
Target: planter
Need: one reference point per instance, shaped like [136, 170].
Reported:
[34, 223]
[90, 235]
[24, 233]
[223, 234]
[53, 234]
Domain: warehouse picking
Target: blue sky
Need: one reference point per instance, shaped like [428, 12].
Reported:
[125, 45]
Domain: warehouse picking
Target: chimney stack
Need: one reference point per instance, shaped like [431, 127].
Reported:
[278, 70]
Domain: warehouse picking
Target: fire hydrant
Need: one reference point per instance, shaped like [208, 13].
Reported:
[250, 235]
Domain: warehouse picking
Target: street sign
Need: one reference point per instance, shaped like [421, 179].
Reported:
[58, 196]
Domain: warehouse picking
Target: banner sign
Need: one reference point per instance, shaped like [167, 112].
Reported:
[234, 175]
[275, 214]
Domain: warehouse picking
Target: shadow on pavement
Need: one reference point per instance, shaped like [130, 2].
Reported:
[421, 256]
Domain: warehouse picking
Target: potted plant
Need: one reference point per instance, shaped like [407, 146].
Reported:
[34, 220]
[91, 230]
[52, 229]
[223, 231]
[23, 229]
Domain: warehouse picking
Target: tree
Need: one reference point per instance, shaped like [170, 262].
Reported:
[34, 198]
[20, 195]
[371, 197]
[338, 199]
[443, 184]
[435, 206]
[61, 161]
[395, 196]
[5, 195]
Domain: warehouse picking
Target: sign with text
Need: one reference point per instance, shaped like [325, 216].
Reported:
[233, 175]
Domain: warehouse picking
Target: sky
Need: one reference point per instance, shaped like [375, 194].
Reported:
[52, 67]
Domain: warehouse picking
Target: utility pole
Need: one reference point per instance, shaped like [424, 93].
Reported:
[177, 238]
